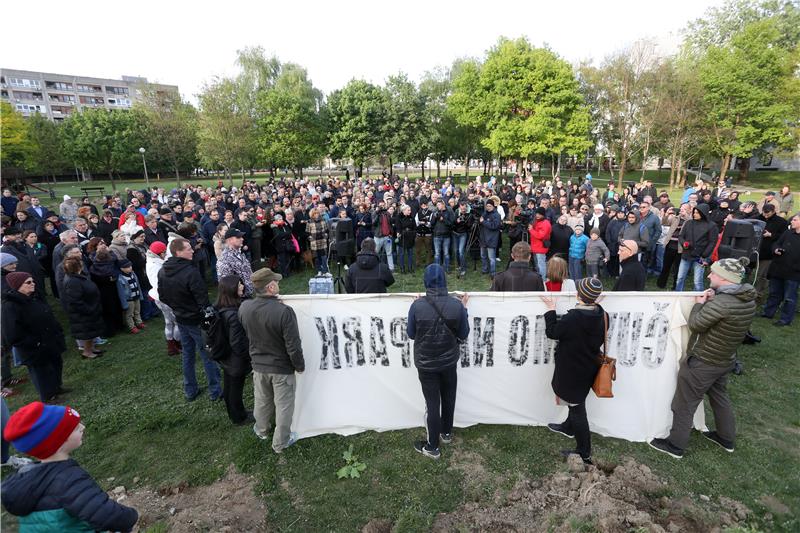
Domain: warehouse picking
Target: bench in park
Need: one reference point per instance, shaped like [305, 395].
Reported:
[87, 191]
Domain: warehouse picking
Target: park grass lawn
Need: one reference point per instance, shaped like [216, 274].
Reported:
[139, 425]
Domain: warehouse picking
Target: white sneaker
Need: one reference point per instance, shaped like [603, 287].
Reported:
[319, 273]
[260, 435]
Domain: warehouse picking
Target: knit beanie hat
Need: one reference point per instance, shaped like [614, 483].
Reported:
[731, 269]
[16, 279]
[595, 231]
[158, 247]
[6, 259]
[39, 430]
[589, 290]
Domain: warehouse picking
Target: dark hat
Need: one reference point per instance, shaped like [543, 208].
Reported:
[137, 233]
[541, 211]
[768, 208]
[16, 279]
[165, 211]
[595, 231]
[12, 230]
[233, 232]
[123, 263]
[769, 193]
[490, 201]
[264, 277]
[589, 290]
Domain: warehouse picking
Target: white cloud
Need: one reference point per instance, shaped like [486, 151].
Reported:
[187, 43]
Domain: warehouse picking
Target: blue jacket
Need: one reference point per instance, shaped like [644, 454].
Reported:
[577, 246]
[61, 496]
[125, 292]
[490, 229]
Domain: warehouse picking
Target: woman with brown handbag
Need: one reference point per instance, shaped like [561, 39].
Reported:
[580, 334]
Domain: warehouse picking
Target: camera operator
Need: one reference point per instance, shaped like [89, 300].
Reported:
[490, 237]
[423, 245]
[462, 229]
[442, 221]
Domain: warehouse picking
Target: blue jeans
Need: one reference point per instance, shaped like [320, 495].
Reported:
[541, 264]
[659, 257]
[385, 243]
[192, 340]
[683, 272]
[406, 258]
[488, 260]
[782, 292]
[460, 240]
[321, 261]
[442, 244]
[575, 268]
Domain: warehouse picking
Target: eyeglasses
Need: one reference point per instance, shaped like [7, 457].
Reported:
[29, 282]
[621, 245]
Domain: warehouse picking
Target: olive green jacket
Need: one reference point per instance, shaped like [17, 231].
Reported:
[719, 325]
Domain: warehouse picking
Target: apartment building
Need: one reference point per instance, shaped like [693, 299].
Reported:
[58, 95]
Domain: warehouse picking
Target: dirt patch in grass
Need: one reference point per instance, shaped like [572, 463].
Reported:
[227, 505]
[607, 498]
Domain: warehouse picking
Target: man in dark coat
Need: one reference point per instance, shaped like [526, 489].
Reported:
[368, 274]
[775, 226]
[632, 276]
[437, 323]
[181, 287]
[25, 263]
[784, 275]
[490, 224]
[519, 276]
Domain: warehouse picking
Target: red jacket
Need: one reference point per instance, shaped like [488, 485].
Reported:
[139, 219]
[539, 232]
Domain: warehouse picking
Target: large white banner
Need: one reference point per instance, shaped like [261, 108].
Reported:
[360, 372]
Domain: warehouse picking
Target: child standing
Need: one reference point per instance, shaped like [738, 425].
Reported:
[596, 252]
[577, 251]
[57, 494]
[130, 296]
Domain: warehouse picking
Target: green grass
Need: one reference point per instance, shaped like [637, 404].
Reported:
[139, 425]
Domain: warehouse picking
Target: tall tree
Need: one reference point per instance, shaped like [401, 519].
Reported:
[404, 129]
[103, 140]
[751, 92]
[170, 129]
[14, 142]
[226, 131]
[291, 121]
[47, 155]
[528, 98]
[357, 113]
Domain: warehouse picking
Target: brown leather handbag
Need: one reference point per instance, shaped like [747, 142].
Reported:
[608, 368]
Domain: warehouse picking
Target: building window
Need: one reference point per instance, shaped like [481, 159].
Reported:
[59, 85]
[91, 100]
[117, 90]
[89, 88]
[62, 98]
[24, 95]
[4, 93]
[30, 108]
[24, 82]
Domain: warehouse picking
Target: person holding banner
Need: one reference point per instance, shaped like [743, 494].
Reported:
[580, 334]
[719, 321]
[437, 323]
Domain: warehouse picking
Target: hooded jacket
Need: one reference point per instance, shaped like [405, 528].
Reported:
[183, 290]
[539, 232]
[152, 268]
[634, 232]
[719, 325]
[437, 323]
[61, 496]
[368, 275]
[698, 237]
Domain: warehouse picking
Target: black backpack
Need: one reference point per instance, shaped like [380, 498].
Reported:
[215, 334]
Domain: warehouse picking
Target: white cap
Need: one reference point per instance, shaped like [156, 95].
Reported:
[67, 197]
[598, 206]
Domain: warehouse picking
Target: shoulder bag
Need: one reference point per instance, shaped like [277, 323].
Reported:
[608, 368]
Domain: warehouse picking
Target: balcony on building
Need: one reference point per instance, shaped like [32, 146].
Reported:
[58, 85]
[29, 96]
[119, 91]
[88, 88]
[62, 98]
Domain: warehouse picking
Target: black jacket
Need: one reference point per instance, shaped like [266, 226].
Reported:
[31, 327]
[776, 225]
[580, 340]
[81, 300]
[181, 287]
[442, 222]
[236, 361]
[518, 277]
[699, 237]
[406, 229]
[65, 485]
[559, 240]
[26, 263]
[273, 335]
[786, 265]
[632, 276]
[436, 338]
[368, 275]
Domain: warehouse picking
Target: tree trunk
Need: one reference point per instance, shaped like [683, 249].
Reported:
[438, 169]
[726, 162]
[391, 168]
[466, 168]
[623, 159]
[177, 177]
[230, 177]
[423, 169]
[744, 167]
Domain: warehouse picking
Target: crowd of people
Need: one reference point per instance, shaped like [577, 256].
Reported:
[148, 253]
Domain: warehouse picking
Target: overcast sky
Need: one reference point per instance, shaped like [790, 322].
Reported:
[188, 43]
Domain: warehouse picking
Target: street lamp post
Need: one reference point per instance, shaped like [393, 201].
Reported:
[146, 178]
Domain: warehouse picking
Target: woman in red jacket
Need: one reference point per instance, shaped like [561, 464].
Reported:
[539, 232]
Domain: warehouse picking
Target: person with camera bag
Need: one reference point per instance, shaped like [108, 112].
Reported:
[462, 229]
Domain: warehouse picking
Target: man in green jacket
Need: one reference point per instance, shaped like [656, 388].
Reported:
[276, 354]
[718, 322]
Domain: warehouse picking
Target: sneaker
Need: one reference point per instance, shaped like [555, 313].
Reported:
[586, 460]
[319, 273]
[328, 275]
[134, 330]
[559, 428]
[779, 323]
[260, 435]
[445, 438]
[292, 439]
[422, 447]
[15, 461]
[665, 446]
[194, 396]
[719, 441]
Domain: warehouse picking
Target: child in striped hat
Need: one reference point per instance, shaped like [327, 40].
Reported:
[57, 494]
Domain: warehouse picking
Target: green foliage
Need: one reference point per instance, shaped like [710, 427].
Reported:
[357, 113]
[108, 141]
[14, 142]
[405, 135]
[751, 91]
[291, 120]
[170, 130]
[46, 156]
[528, 98]
[353, 467]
